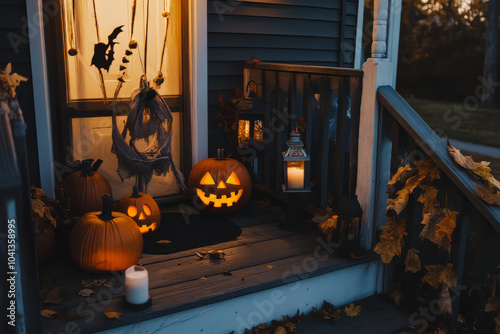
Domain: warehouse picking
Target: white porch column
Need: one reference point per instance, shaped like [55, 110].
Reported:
[378, 71]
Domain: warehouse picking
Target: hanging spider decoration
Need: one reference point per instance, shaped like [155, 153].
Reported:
[104, 53]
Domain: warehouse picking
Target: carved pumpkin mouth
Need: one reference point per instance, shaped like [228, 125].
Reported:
[218, 201]
[148, 228]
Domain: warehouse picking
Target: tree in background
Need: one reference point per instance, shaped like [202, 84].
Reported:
[491, 52]
[441, 48]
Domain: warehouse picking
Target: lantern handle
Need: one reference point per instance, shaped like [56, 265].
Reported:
[248, 86]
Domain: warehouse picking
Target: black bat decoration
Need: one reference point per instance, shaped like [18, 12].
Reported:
[103, 58]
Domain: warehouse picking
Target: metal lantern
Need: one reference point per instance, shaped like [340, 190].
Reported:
[250, 119]
[296, 163]
[349, 221]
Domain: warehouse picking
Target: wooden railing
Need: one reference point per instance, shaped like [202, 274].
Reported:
[475, 244]
[326, 101]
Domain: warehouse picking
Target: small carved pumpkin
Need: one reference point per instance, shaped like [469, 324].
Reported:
[105, 241]
[220, 185]
[142, 208]
[84, 188]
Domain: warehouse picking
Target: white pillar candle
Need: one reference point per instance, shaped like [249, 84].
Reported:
[136, 285]
[295, 177]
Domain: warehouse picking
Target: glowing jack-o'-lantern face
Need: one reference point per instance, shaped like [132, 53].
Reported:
[220, 186]
[142, 208]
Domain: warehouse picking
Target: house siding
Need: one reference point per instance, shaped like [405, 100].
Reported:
[13, 27]
[310, 32]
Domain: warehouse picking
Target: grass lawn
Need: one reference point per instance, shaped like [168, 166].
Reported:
[480, 126]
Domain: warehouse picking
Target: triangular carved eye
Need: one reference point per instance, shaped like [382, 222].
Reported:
[233, 179]
[207, 180]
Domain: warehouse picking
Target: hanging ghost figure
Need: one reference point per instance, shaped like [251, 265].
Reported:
[150, 120]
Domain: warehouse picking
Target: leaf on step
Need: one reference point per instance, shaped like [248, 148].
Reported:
[203, 278]
[54, 295]
[438, 274]
[391, 239]
[322, 215]
[400, 174]
[488, 195]
[412, 261]
[280, 330]
[201, 255]
[497, 321]
[352, 311]
[270, 266]
[164, 242]
[291, 327]
[493, 304]
[48, 313]
[217, 254]
[88, 283]
[327, 311]
[86, 292]
[113, 315]
[329, 225]
[444, 303]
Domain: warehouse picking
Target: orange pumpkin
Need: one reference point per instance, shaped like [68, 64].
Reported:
[220, 185]
[105, 241]
[84, 188]
[142, 208]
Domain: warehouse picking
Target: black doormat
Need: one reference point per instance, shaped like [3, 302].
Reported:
[178, 232]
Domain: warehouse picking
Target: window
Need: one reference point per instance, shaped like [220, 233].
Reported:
[87, 118]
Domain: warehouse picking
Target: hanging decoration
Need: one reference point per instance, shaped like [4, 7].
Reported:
[104, 53]
[150, 120]
[69, 13]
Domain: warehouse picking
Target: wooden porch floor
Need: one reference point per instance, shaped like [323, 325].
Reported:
[257, 260]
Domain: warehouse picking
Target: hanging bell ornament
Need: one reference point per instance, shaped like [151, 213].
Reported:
[165, 14]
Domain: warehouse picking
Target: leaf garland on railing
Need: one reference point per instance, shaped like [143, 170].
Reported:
[438, 225]
[489, 191]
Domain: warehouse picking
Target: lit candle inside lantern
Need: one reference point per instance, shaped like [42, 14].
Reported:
[136, 285]
[295, 177]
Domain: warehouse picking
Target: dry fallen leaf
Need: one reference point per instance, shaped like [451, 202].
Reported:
[322, 215]
[352, 311]
[214, 254]
[399, 203]
[203, 278]
[164, 242]
[327, 311]
[439, 227]
[329, 225]
[444, 303]
[493, 304]
[488, 195]
[86, 292]
[412, 261]
[280, 330]
[113, 315]
[54, 295]
[401, 173]
[270, 266]
[88, 283]
[48, 313]
[391, 239]
[291, 326]
[439, 274]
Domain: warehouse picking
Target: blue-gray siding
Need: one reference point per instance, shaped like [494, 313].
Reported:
[288, 31]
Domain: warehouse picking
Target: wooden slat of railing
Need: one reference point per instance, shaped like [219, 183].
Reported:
[308, 99]
[436, 149]
[339, 170]
[292, 105]
[269, 141]
[325, 112]
[457, 256]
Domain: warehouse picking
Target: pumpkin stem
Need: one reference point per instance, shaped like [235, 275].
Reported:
[107, 205]
[86, 168]
[220, 154]
[135, 192]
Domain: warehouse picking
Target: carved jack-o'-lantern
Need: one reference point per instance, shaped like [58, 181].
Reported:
[220, 185]
[142, 208]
